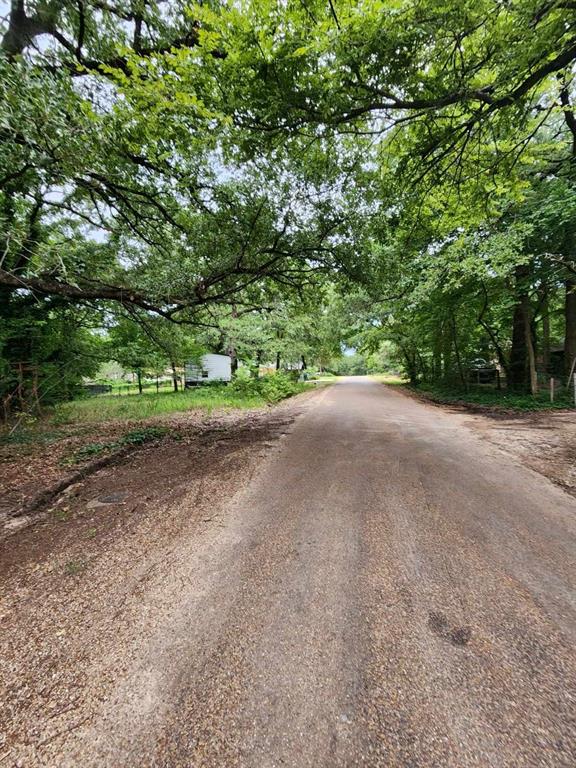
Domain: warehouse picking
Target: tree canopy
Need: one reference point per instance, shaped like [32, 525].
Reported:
[396, 171]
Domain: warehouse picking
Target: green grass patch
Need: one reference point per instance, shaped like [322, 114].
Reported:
[150, 404]
[134, 437]
[391, 379]
[28, 435]
[493, 398]
[75, 567]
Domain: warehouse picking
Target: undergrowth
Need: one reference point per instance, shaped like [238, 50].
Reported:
[271, 388]
[134, 437]
[493, 398]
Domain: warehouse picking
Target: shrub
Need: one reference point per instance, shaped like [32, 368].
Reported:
[273, 387]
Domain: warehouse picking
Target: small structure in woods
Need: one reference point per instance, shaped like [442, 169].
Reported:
[209, 368]
[482, 372]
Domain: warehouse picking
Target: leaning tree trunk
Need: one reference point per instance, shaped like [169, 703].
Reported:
[570, 301]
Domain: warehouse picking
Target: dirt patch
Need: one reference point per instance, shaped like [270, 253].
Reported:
[38, 466]
[35, 465]
[72, 577]
[544, 441]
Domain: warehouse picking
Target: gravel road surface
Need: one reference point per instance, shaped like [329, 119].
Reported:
[375, 585]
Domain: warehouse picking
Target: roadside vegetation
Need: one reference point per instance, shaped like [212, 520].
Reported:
[487, 398]
[241, 393]
[79, 418]
[150, 405]
[493, 399]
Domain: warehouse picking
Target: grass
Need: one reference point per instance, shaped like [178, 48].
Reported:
[81, 418]
[496, 399]
[75, 567]
[388, 378]
[134, 437]
[123, 388]
[150, 404]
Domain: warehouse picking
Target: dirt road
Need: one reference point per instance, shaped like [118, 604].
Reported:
[367, 583]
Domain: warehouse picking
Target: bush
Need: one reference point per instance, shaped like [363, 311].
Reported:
[273, 387]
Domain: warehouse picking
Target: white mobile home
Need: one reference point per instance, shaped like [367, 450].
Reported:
[210, 368]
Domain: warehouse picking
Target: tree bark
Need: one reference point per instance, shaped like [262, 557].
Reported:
[174, 376]
[545, 309]
[518, 363]
[526, 320]
[570, 325]
[446, 352]
[256, 367]
[457, 353]
[139, 377]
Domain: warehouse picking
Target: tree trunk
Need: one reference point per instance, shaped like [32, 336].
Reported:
[446, 353]
[457, 353]
[255, 372]
[411, 366]
[570, 320]
[526, 319]
[437, 357]
[174, 376]
[518, 352]
[545, 306]
[139, 377]
[277, 361]
[518, 364]
[304, 366]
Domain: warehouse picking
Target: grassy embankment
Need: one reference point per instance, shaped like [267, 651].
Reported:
[485, 397]
[83, 429]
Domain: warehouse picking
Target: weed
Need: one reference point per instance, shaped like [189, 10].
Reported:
[74, 567]
[134, 437]
[143, 435]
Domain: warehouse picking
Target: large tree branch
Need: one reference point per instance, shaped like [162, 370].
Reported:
[53, 287]
[23, 29]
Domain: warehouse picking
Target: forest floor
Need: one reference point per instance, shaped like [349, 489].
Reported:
[350, 578]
